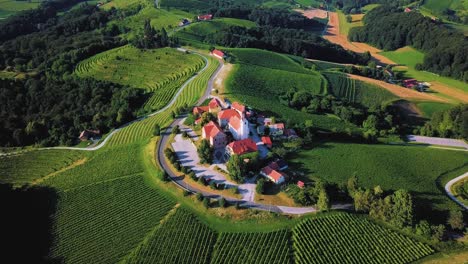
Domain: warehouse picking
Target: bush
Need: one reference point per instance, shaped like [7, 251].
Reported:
[222, 202]
[186, 193]
[199, 197]
[206, 202]
[260, 188]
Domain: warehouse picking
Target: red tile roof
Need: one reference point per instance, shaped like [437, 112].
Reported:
[214, 104]
[244, 146]
[300, 184]
[227, 114]
[267, 141]
[235, 122]
[218, 53]
[278, 126]
[212, 129]
[205, 17]
[238, 107]
[198, 110]
[274, 174]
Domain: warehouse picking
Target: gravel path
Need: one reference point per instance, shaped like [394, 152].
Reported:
[438, 141]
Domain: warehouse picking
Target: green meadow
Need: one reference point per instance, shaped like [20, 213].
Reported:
[11, 7]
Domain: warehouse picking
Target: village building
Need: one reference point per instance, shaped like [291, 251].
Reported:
[276, 130]
[184, 22]
[273, 175]
[214, 106]
[218, 54]
[205, 17]
[241, 147]
[408, 10]
[214, 135]
[300, 184]
[235, 121]
[87, 134]
[199, 110]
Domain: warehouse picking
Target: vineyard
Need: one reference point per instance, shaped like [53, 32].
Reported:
[179, 239]
[272, 247]
[102, 222]
[345, 238]
[141, 130]
[160, 72]
[355, 91]
[24, 168]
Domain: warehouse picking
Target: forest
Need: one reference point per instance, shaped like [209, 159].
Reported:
[390, 28]
[451, 123]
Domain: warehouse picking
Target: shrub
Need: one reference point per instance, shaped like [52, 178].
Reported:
[222, 202]
[199, 197]
[206, 202]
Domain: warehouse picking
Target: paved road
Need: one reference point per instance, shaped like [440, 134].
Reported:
[448, 189]
[438, 141]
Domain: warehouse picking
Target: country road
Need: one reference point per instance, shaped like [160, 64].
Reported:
[448, 189]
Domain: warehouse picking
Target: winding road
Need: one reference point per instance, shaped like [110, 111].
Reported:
[448, 189]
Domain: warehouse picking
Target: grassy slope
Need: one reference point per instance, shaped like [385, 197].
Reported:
[410, 57]
[11, 7]
[416, 169]
[429, 108]
[251, 78]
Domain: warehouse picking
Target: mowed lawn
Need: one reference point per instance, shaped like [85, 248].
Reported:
[11, 7]
[413, 168]
[139, 68]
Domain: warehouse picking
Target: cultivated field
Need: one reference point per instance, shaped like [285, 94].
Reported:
[160, 72]
[356, 91]
[353, 240]
[252, 248]
[313, 13]
[417, 169]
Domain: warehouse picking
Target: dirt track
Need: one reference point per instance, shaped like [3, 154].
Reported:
[399, 91]
[313, 13]
[333, 35]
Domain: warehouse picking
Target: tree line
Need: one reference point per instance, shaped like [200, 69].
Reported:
[389, 28]
[451, 123]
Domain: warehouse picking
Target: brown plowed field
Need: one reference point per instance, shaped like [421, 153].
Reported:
[313, 13]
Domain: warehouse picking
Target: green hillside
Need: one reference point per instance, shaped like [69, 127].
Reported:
[11, 7]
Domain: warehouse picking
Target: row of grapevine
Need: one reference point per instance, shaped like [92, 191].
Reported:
[102, 222]
[143, 129]
[346, 238]
[272, 247]
[99, 60]
[342, 87]
[187, 72]
[180, 239]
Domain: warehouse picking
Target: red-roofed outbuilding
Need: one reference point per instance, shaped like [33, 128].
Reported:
[214, 134]
[205, 17]
[242, 147]
[219, 54]
[267, 142]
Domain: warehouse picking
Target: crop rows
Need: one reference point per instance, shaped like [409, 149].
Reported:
[272, 247]
[24, 168]
[342, 86]
[101, 223]
[143, 129]
[180, 239]
[85, 67]
[346, 238]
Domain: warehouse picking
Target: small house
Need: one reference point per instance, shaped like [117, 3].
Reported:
[214, 106]
[300, 184]
[214, 135]
[205, 17]
[88, 134]
[241, 147]
[408, 10]
[199, 110]
[218, 54]
[273, 175]
[267, 142]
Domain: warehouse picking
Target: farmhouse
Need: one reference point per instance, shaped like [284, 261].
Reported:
[218, 54]
[87, 134]
[241, 147]
[205, 17]
[199, 110]
[214, 135]
[214, 106]
[300, 184]
[273, 175]
[408, 10]
[184, 22]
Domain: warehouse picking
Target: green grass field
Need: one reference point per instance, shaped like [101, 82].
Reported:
[11, 7]
[356, 91]
[410, 57]
[344, 238]
[160, 71]
[416, 169]
[429, 108]
[436, 6]
[345, 26]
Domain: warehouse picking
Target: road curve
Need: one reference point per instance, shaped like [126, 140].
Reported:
[108, 137]
[448, 189]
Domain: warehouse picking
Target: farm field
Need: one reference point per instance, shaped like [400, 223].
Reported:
[145, 69]
[437, 7]
[181, 238]
[21, 169]
[357, 91]
[345, 26]
[272, 247]
[452, 89]
[185, 4]
[361, 241]
[429, 108]
[11, 7]
[416, 169]
[247, 81]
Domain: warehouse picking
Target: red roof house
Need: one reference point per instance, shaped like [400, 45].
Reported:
[300, 184]
[407, 10]
[214, 134]
[267, 141]
[214, 105]
[87, 134]
[205, 17]
[219, 54]
[276, 129]
[242, 147]
[199, 110]
[273, 175]
[239, 107]
[225, 115]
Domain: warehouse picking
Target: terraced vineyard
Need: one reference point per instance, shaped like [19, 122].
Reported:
[24, 168]
[355, 91]
[143, 129]
[255, 248]
[102, 222]
[180, 239]
[345, 238]
[160, 71]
